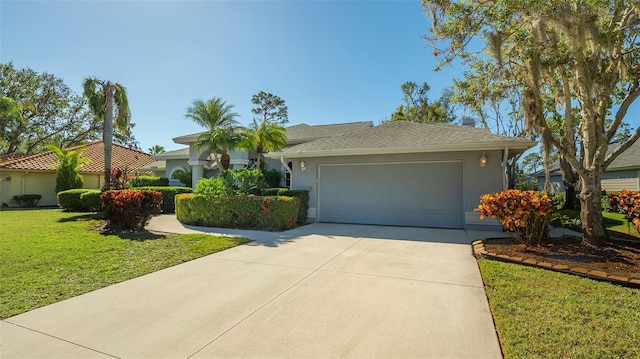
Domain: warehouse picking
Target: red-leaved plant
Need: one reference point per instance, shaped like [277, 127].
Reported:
[628, 203]
[130, 209]
[525, 214]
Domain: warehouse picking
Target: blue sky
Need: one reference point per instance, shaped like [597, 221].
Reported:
[331, 61]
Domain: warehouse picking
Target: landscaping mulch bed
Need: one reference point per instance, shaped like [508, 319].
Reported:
[618, 258]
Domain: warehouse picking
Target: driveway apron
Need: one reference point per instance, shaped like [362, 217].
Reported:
[318, 291]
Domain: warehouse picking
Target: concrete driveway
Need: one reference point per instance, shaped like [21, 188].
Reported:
[319, 291]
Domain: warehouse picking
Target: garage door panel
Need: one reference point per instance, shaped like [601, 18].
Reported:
[408, 194]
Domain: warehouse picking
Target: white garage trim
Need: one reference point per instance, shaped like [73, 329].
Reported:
[459, 219]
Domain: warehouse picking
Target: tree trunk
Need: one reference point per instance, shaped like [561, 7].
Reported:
[225, 160]
[593, 233]
[108, 133]
[259, 149]
[571, 185]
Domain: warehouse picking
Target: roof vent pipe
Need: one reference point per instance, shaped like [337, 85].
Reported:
[468, 121]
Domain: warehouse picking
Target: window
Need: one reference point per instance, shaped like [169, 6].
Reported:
[287, 175]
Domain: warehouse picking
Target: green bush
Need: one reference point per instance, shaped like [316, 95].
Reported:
[184, 177]
[244, 181]
[149, 181]
[272, 177]
[90, 200]
[252, 212]
[272, 191]
[130, 209]
[168, 196]
[214, 186]
[303, 196]
[27, 200]
[69, 200]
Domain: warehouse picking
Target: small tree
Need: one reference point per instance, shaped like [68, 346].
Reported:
[269, 107]
[156, 150]
[418, 108]
[69, 163]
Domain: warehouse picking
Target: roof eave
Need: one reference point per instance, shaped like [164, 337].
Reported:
[401, 150]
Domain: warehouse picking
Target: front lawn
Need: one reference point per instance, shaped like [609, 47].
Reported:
[48, 255]
[545, 314]
[615, 224]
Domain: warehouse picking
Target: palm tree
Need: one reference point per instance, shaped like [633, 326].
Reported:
[156, 150]
[69, 163]
[222, 140]
[266, 136]
[219, 119]
[108, 101]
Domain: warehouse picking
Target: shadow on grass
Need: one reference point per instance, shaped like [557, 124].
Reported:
[132, 235]
[81, 216]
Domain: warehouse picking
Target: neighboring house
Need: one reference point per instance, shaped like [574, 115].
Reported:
[35, 174]
[399, 173]
[622, 173]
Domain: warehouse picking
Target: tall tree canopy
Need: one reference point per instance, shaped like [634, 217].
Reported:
[576, 65]
[269, 107]
[110, 105]
[220, 122]
[37, 109]
[418, 108]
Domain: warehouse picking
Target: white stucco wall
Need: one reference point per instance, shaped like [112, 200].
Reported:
[477, 180]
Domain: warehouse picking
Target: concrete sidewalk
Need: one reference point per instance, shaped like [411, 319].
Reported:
[318, 291]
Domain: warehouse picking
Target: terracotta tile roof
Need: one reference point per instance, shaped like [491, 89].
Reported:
[121, 157]
[11, 156]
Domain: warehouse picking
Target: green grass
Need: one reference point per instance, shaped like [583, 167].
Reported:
[615, 224]
[545, 314]
[48, 255]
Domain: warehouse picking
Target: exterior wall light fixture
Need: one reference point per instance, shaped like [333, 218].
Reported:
[303, 166]
[483, 160]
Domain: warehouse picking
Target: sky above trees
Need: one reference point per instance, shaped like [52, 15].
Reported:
[330, 61]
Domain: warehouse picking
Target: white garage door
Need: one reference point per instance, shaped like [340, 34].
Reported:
[402, 194]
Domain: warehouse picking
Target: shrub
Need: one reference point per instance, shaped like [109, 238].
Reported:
[27, 200]
[267, 213]
[130, 209]
[525, 213]
[628, 203]
[272, 191]
[244, 181]
[211, 187]
[168, 196]
[69, 200]
[184, 177]
[149, 181]
[272, 177]
[90, 200]
[303, 196]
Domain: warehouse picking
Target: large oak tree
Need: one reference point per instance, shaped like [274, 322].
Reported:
[575, 59]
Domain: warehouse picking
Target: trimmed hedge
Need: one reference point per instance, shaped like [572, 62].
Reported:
[27, 200]
[69, 200]
[90, 201]
[149, 181]
[252, 212]
[168, 196]
[80, 200]
[303, 196]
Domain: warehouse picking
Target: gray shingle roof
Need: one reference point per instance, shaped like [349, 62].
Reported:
[630, 158]
[410, 135]
[301, 132]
